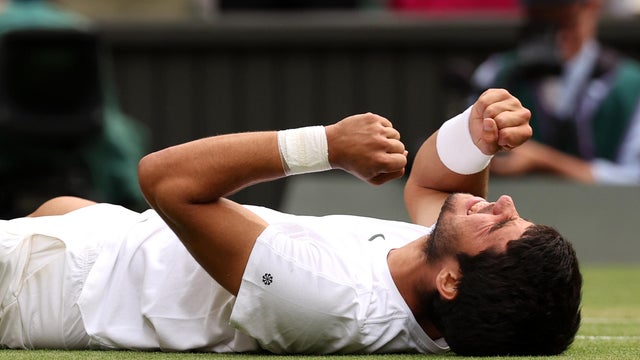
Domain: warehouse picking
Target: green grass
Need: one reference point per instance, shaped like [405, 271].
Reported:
[610, 329]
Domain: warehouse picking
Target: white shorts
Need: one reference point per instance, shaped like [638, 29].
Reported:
[82, 280]
[44, 263]
[35, 312]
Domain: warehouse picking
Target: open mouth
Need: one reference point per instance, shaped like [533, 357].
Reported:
[473, 205]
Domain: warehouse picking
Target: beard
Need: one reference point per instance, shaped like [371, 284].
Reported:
[442, 241]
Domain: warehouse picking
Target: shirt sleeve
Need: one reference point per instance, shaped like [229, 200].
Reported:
[626, 169]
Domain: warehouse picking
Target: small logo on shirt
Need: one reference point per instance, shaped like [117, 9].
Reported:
[267, 279]
[377, 236]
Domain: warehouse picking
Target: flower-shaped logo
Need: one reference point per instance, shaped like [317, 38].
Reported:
[267, 279]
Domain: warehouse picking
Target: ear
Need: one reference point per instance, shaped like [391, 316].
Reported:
[447, 281]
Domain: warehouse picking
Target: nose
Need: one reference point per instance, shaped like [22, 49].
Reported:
[505, 206]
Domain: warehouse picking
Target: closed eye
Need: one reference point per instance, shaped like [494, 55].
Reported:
[501, 224]
[504, 223]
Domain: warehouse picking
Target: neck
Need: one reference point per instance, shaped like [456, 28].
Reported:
[414, 278]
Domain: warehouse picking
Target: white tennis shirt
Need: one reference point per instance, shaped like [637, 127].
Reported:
[322, 285]
[312, 285]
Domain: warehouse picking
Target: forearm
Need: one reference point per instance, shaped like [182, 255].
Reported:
[450, 161]
[455, 158]
[430, 173]
[204, 170]
[186, 183]
[430, 182]
[567, 166]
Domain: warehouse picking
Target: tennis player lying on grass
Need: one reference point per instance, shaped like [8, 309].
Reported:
[200, 272]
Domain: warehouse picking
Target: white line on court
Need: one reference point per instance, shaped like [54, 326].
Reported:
[594, 320]
[605, 337]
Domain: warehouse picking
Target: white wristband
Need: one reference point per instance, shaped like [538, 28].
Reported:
[456, 148]
[304, 150]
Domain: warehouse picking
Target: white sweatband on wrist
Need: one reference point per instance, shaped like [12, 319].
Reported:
[304, 150]
[456, 148]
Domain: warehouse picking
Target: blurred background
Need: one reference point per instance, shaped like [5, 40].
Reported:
[89, 86]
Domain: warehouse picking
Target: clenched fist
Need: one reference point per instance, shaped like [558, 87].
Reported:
[368, 147]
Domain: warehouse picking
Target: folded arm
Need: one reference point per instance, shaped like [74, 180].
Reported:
[187, 184]
[496, 121]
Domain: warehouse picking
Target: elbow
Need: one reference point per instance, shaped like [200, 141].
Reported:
[162, 186]
[151, 177]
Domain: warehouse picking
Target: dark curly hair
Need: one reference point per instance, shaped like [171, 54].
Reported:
[524, 301]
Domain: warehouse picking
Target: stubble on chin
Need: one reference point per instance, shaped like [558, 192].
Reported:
[440, 243]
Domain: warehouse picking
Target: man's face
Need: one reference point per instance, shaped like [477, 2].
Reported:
[574, 24]
[469, 224]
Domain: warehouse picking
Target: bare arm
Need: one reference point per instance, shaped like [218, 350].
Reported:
[187, 183]
[536, 157]
[498, 121]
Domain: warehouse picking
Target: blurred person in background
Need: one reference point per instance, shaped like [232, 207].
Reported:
[48, 83]
[583, 96]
